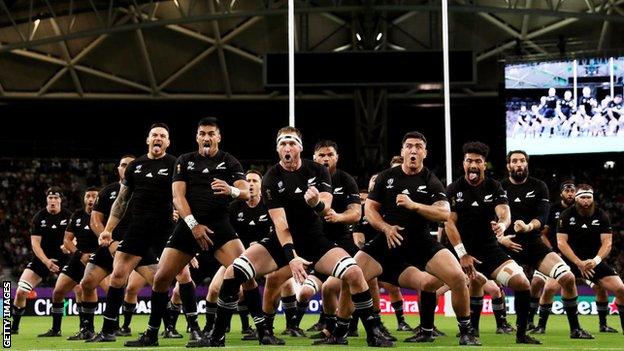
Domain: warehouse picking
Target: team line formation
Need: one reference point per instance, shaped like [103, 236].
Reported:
[304, 228]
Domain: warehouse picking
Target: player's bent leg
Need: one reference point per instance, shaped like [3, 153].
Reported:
[614, 284]
[602, 305]
[187, 297]
[211, 299]
[289, 305]
[64, 284]
[415, 279]
[135, 283]
[551, 288]
[537, 285]
[27, 282]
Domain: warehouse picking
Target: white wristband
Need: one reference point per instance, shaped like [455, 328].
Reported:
[460, 250]
[597, 259]
[530, 227]
[190, 221]
[234, 192]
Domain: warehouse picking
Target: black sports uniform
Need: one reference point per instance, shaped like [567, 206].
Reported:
[345, 192]
[418, 245]
[584, 238]
[51, 228]
[86, 242]
[553, 223]
[151, 206]
[475, 209]
[198, 172]
[527, 201]
[566, 107]
[364, 227]
[285, 189]
[104, 202]
[252, 224]
[587, 102]
[550, 106]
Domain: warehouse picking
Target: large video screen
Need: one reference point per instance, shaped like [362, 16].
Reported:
[565, 107]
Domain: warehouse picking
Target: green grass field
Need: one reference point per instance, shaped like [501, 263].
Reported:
[556, 338]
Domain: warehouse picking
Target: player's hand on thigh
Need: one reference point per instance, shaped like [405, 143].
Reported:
[298, 267]
[506, 241]
[467, 263]
[200, 232]
[393, 238]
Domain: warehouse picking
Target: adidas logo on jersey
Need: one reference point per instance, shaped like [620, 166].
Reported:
[584, 226]
[405, 191]
[517, 199]
[53, 226]
[252, 223]
[205, 170]
[87, 227]
[149, 175]
[474, 204]
[297, 191]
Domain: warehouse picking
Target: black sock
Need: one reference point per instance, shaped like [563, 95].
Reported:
[603, 310]
[533, 304]
[289, 306]
[498, 307]
[114, 299]
[226, 306]
[18, 312]
[364, 306]
[57, 315]
[243, 313]
[620, 309]
[254, 305]
[398, 311]
[322, 318]
[464, 325]
[544, 313]
[80, 316]
[269, 318]
[330, 323]
[159, 310]
[521, 304]
[342, 327]
[353, 326]
[571, 307]
[427, 305]
[476, 305]
[172, 315]
[88, 309]
[128, 311]
[211, 314]
[302, 308]
[189, 304]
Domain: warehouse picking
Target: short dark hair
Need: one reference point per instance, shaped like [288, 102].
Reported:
[290, 129]
[160, 125]
[326, 143]
[208, 121]
[618, 96]
[254, 171]
[128, 155]
[91, 188]
[476, 147]
[568, 183]
[414, 135]
[517, 152]
[54, 189]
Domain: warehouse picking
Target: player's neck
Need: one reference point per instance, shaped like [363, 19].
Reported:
[53, 210]
[516, 182]
[151, 156]
[292, 166]
[253, 201]
[411, 171]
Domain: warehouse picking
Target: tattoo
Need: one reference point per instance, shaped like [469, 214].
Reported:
[443, 204]
[121, 203]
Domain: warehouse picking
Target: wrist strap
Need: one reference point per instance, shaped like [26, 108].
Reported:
[289, 251]
[234, 192]
[190, 221]
[460, 250]
[319, 207]
[597, 259]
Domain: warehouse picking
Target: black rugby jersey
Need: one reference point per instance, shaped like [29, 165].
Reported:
[365, 228]
[104, 203]
[566, 107]
[51, 228]
[285, 189]
[475, 208]
[527, 201]
[251, 223]
[424, 188]
[149, 181]
[198, 172]
[584, 232]
[551, 102]
[79, 225]
[345, 192]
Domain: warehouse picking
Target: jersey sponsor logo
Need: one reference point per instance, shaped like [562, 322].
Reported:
[240, 217]
[163, 171]
[422, 189]
[338, 191]
[297, 191]
[43, 223]
[221, 166]
[113, 195]
[149, 175]
[405, 191]
[138, 169]
[280, 187]
[572, 221]
[460, 196]
[63, 222]
[263, 218]
[389, 183]
[190, 165]
[595, 222]
[488, 198]
[474, 204]
[78, 221]
[252, 222]
[530, 194]
[517, 200]
[312, 181]
[205, 170]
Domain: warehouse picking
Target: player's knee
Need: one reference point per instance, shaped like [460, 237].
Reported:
[251, 284]
[23, 289]
[58, 295]
[353, 275]
[243, 269]
[457, 281]
[519, 282]
[567, 280]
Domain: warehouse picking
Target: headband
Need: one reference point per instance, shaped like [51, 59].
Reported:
[582, 192]
[289, 137]
[54, 193]
[567, 186]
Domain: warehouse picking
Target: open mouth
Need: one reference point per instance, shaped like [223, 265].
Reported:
[157, 146]
[287, 157]
[473, 174]
[413, 158]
